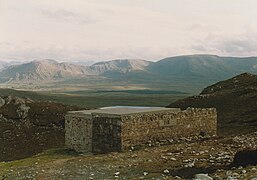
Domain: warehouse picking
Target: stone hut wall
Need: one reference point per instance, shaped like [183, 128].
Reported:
[106, 133]
[101, 133]
[140, 128]
[78, 132]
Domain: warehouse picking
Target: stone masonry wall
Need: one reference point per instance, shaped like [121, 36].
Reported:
[78, 132]
[102, 133]
[106, 134]
[140, 128]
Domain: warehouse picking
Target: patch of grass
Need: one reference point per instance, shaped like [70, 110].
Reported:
[41, 158]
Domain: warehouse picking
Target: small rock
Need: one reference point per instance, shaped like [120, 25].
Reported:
[163, 157]
[243, 171]
[145, 173]
[202, 177]
[235, 174]
[117, 173]
[2, 102]
[177, 177]
[201, 152]
[229, 173]
[192, 164]
[166, 171]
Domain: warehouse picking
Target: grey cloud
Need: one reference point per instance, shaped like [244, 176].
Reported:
[54, 52]
[68, 16]
[77, 53]
[241, 44]
[245, 45]
[60, 14]
[5, 44]
[197, 27]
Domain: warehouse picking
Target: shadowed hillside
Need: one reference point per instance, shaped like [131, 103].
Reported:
[235, 100]
[28, 127]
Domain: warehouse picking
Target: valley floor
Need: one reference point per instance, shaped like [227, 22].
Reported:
[177, 160]
[101, 98]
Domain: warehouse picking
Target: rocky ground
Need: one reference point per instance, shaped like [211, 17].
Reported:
[210, 158]
[27, 127]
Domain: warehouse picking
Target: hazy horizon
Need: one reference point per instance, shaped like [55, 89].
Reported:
[89, 62]
[94, 30]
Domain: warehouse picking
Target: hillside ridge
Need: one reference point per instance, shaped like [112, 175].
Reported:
[235, 100]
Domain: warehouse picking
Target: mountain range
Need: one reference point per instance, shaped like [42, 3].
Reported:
[195, 71]
[4, 64]
[44, 70]
[49, 70]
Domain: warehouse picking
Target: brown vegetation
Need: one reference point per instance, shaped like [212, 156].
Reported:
[235, 100]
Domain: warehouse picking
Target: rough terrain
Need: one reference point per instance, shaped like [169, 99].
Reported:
[28, 127]
[235, 100]
[180, 159]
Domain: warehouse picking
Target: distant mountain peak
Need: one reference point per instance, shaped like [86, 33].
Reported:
[117, 61]
[51, 61]
[120, 65]
[42, 70]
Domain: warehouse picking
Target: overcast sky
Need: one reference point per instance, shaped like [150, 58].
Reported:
[91, 30]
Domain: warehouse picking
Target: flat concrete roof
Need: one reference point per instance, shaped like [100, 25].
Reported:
[123, 110]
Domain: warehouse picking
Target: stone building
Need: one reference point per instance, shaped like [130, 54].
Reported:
[119, 128]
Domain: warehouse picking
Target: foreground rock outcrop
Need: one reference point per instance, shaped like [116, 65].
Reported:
[28, 127]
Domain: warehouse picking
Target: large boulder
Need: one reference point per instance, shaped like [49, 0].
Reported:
[22, 111]
[245, 158]
[14, 108]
